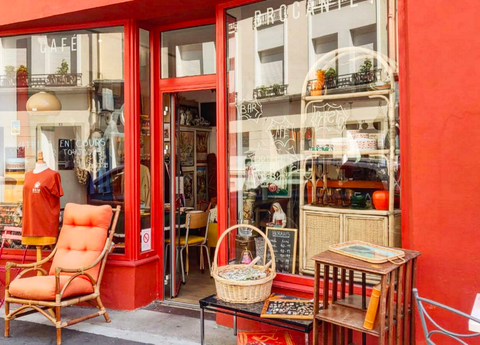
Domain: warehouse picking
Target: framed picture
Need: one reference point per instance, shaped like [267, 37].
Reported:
[186, 143]
[188, 115]
[188, 178]
[202, 146]
[279, 184]
[201, 183]
[166, 132]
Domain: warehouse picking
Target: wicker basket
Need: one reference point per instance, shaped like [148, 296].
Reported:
[249, 291]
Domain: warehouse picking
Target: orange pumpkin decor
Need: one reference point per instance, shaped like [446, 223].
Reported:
[380, 200]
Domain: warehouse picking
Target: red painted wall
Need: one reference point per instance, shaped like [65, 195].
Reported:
[440, 124]
[25, 10]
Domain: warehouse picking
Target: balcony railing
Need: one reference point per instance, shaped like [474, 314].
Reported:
[270, 91]
[41, 80]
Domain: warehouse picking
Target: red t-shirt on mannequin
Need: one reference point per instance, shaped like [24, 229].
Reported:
[41, 206]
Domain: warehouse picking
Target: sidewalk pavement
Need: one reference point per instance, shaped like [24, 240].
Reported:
[127, 327]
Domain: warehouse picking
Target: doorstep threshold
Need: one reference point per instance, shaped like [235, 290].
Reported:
[181, 308]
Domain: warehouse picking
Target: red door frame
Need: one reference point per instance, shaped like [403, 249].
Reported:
[159, 88]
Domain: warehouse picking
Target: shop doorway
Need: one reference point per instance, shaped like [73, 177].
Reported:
[190, 193]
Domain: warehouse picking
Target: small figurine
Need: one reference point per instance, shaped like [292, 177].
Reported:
[182, 117]
[246, 257]
[279, 218]
[189, 115]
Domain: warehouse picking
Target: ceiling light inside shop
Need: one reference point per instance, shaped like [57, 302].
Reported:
[43, 103]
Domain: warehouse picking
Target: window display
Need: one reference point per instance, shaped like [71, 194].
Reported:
[62, 93]
[312, 122]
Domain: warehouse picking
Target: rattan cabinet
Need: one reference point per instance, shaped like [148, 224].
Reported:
[349, 149]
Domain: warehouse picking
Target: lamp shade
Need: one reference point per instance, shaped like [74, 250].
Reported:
[43, 103]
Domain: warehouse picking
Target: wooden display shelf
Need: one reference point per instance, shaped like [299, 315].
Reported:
[345, 210]
[351, 318]
[348, 95]
[353, 301]
[352, 184]
[346, 152]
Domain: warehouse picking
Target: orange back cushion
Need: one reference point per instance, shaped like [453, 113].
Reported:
[82, 238]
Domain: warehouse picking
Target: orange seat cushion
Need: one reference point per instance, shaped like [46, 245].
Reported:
[82, 238]
[42, 288]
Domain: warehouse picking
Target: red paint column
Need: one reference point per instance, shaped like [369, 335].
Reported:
[440, 124]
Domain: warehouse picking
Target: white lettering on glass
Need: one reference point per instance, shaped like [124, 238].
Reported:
[54, 46]
[74, 43]
[258, 18]
[325, 4]
[283, 13]
[64, 44]
[296, 11]
[270, 15]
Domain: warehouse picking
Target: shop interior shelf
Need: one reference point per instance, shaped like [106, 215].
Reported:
[351, 318]
[345, 210]
[348, 153]
[352, 184]
[348, 95]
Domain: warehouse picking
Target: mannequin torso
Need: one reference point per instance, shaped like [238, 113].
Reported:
[39, 167]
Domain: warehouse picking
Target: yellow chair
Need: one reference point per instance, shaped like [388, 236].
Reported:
[212, 229]
[194, 220]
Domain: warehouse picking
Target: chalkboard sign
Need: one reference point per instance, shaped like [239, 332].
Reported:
[284, 243]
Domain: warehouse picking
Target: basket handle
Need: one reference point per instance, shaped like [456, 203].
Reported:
[267, 241]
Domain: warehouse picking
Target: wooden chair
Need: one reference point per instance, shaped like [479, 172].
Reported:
[10, 233]
[193, 221]
[78, 263]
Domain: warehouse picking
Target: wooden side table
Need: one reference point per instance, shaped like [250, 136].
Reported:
[346, 312]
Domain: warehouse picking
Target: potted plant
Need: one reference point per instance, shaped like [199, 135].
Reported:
[365, 73]
[331, 78]
[261, 91]
[62, 71]
[276, 89]
[22, 76]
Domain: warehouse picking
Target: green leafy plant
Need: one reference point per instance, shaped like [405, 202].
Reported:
[276, 89]
[63, 69]
[330, 73]
[10, 71]
[366, 67]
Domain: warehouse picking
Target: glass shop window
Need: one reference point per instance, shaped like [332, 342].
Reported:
[294, 71]
[188, 52]
[62, 94]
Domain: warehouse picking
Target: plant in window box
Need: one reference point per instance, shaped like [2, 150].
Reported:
[22, 76]
[365, 73]
[331, 78]
[62, 72]
[261, 91]
[10, 72]
[276, 89]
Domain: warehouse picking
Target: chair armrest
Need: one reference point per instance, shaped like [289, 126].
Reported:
[57, 282]
[10, 265]
[33, 264]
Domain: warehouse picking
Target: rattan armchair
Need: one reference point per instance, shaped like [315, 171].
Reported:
[75, 275]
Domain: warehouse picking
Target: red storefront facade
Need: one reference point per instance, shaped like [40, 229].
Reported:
[438, 127]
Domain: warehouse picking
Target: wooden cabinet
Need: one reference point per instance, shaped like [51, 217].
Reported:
[323, 227]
